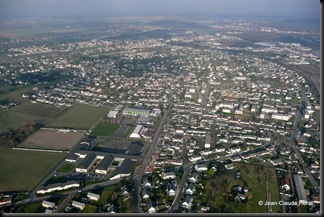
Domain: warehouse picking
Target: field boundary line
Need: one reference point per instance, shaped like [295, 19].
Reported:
[44, 150]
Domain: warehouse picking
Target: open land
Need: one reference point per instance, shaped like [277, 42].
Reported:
[78, 117]
[217, 189]
[53, 139]
[23, 170]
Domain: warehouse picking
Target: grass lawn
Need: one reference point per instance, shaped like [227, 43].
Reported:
[23, 170]
[79, 116]
[90, 208]
[105, 129]
[32, 208]
[65, 168]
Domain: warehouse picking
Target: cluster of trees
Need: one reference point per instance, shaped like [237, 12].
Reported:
[15, 135]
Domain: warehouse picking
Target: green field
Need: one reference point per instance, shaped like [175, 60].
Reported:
[78, 116]
[23, 170]
[65, 168]
[104, 129]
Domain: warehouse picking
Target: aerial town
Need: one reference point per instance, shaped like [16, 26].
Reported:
[162, 115]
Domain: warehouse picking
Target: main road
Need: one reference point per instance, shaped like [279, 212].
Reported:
[139, 172]
[292, 139]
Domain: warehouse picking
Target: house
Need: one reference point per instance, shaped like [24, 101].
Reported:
[92, 196]
[190, 189]
[193, 178]
[187, 202]
[200, 167]
[47, 204]
[284, 184]
[169, 175]
[78, 205]
[229, 166]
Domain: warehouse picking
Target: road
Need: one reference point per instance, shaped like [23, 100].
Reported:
[293, 137]
[186, 169]
[139, 172]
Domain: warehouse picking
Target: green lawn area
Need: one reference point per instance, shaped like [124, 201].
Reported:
[65, 168]
[79, 116]
[218, 189]
[32, 208]
[90, 208]
[23, 170]
[105, 129]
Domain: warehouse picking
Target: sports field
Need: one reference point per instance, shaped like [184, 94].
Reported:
[105, 129]
[23, 170]
[78, 116]
[53, 139]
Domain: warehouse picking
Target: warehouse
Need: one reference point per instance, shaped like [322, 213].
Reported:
[124, 170]
[104, 165]
[85, 165]
[136, 111]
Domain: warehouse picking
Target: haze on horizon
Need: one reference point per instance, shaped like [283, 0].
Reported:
[18, 9]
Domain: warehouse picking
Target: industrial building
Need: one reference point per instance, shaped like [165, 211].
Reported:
[136, 111]
[85, 165]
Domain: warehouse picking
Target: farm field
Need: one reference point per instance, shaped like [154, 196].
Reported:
[39, 109]
[15, 119]
[53, 139]
[217, 190]
[27, 112]
[105, 129]
[23, 170]
[78, 116]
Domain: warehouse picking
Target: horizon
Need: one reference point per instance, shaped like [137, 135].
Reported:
[24, 9]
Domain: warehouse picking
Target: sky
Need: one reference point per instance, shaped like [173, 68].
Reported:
[60, 8]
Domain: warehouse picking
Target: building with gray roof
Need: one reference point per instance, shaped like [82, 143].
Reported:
[125, 169]
[104, 165]
[300, 189]
[85, 165]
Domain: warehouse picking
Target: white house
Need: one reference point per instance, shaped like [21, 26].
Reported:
[78, 205]
[92, 196]
[47, 204]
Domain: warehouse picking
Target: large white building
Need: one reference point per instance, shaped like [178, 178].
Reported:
[138, 131]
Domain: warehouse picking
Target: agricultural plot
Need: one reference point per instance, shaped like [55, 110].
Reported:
[23, 170]
[27, 112]
[79, 116]
[53, 139]
[43, 110]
